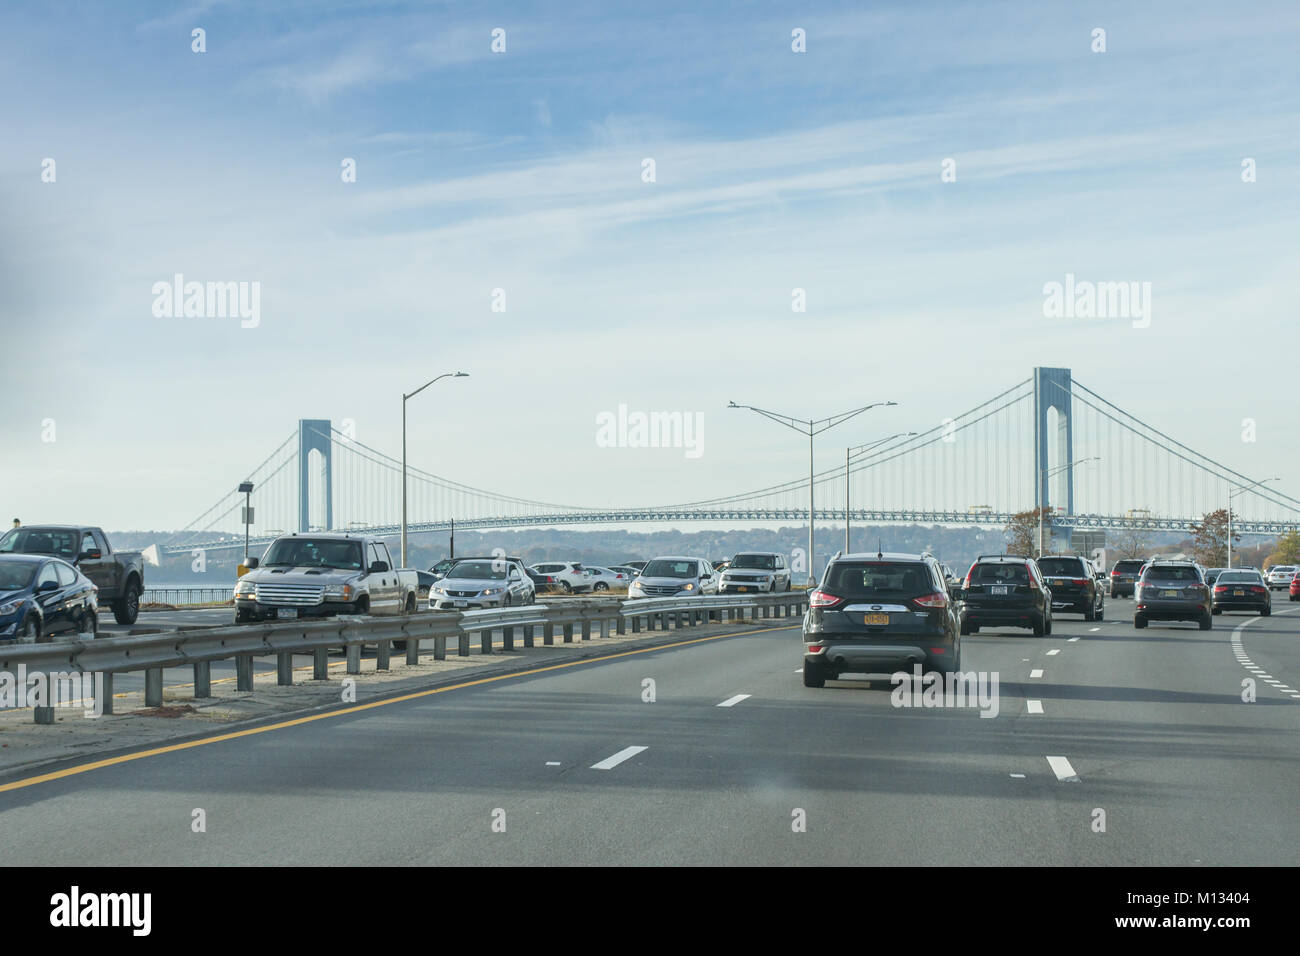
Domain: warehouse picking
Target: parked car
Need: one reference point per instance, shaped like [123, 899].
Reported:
[626, 570]
[634, 565]
[440, 569]
[602, 579]
[1280, 576]
[423, 581]
[542, 583]
[42, 596]
[877, 611]
[569, 575]
[674, 576]
[482, 583]
[1173, 591]
[1124, 577]
[321, 575]
[1241, 591]
[1073, 585]
[119, 575]
[760, 571]
[1004, 590]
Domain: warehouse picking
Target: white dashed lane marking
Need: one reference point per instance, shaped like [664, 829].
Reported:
[1053, 652]
[609, 763]
[1034, 706]
[1061, 767]
[733, 701]
[1036, 672]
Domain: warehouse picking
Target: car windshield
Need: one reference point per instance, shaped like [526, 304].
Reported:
[16, 575]
[670, 569]
[1171, 573]
[879, 579]
[314, 553]
[478, 571]
[1239, 577]
[58, 541]
[1000, 574]
[761, 562]
[1061, 566]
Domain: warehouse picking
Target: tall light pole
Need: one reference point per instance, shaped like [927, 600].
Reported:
[1048, 473]
[848, 452]
[812, 428]
[404, 399]
[1235, 494]
[246, 488]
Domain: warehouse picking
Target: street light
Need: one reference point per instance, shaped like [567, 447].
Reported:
[404, 398]
[811, 428]
[246, 489]
[1048, 473]
[854, 451]
[1236, 494]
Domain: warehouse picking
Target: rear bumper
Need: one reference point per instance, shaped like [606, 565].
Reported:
[1164, 611]
[1241, 604]
[871, 653]
[1017, 617]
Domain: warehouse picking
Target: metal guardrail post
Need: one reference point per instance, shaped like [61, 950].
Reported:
[383, 655]
[636, 624]
[508, 638]
[353, 652]
[43, 715]
[548, 633]
[153, 687]
[412, 651]
[586, 629]
[106, 688]
[440, 647]
[202, 680]
[320, 664]
[244, 672]
[485, 641]
[568, 632]
[462, 643]
[284, 669]
[620, 625]
[528, 635]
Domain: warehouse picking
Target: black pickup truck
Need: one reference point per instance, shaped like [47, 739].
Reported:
[119, 575]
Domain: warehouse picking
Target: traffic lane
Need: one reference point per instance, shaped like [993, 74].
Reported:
[1182, 771]
[460, 756]
[1271, 645]
[148, 621]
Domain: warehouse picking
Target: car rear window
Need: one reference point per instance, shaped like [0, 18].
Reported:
[1054, 566]
[1127, 567]
[1168, 573]
[1000, 574]
[1244, 577]
[879, 579]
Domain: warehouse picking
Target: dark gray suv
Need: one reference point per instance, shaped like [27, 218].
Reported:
[1173, 591]
[874, 611]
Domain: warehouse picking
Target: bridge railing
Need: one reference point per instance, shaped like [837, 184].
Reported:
[200, 646]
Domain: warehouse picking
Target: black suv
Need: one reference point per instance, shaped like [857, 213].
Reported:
[1173, 591]
[1073, 584]
[1008, 591]
[1124, 577]
[879, 609]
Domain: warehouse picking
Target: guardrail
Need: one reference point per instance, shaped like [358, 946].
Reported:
[199, 647]
[186, 595]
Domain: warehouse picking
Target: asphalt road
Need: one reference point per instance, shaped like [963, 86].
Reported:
[1148, 726]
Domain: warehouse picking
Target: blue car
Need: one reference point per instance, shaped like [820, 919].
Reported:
[41, 596]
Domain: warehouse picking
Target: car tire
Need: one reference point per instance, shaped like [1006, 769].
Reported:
[1089, 613]
[1207, 622]
[93, 630]
[566, 587]
[410, 604]
[814, 674]
[1040, 626]
[1267, 612]
[1139, 622]
[1101, 613]
[1048, 626]
[127, 608]
[965, 628]
[1217, 610]
[507, 599]
[600, 586]
[30, 632]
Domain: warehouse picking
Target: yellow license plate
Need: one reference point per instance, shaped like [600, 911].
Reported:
[876, 619]
[1171, 594]
[1238, 593]
[742, 590]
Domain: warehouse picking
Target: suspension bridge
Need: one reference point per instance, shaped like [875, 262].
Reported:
[1048, 441]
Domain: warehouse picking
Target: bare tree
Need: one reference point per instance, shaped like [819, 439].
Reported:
[1131, 543]
[1022, 532]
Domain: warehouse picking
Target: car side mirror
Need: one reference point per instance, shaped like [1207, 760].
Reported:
[252, 564]
[378, 567]
[48, 586]
[93, 555]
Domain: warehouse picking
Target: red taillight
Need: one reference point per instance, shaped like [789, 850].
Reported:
[814, 648]
[1033, 585]
[1114, 574]
[1256, 589]
[820, 598]
[1218, 588]
[935, 600]
[1079, 581]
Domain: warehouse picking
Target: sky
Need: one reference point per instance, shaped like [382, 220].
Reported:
[524, 171]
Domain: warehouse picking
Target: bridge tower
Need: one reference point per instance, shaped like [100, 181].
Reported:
[314, 434]
[1052, 393]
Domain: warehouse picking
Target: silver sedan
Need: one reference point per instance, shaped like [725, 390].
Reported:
[481, 584]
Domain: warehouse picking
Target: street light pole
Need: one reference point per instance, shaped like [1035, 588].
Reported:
[811, 428]
[1238, 494]
[247, 488]
[404, 400]
[848, 452]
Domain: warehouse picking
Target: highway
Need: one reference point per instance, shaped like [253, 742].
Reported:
[1148, 727]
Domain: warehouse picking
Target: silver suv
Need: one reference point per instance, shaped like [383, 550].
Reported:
[1173, 591]
[1279, 576]
[674, 576]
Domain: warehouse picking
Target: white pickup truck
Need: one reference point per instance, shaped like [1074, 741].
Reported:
[320, 575]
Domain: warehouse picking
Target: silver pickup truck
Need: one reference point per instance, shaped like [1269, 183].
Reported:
[320, 575]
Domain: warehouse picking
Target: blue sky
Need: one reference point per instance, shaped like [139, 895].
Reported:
[521, 171]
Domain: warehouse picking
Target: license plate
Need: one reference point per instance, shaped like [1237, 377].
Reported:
[286, 614]
[1238, 593]
[1171, 594]
[742, 590]
[998, 589]
[876, 619]
[462, 603]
